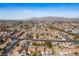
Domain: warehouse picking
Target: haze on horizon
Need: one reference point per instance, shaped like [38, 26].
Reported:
[29, 10]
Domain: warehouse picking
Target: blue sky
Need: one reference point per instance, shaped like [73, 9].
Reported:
[29, 10]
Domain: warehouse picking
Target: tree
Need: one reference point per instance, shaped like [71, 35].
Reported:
[34, 53]
[18, 44]
[53, 51]
[77, 46]
[30, 35]
[49, 44]
[76, 53]
[56, 36]
[34, 44]
[1, 49]
[37, 35]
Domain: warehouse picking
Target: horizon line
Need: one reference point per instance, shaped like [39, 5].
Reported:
[41, 17]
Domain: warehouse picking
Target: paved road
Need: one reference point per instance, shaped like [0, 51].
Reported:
[54, 40]
[8, 48]
[69, 40]
[73, 34]
[16, 40]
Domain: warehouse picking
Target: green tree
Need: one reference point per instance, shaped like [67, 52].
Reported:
[37, 35]
[49, 44]
[18, 44]
[1, 49]
[34, 53]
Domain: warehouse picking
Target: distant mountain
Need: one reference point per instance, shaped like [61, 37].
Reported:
[42, 19]
[54, 19]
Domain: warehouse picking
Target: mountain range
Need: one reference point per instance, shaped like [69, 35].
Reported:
[42, 19]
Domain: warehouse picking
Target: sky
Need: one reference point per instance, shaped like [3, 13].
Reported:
[31, 10]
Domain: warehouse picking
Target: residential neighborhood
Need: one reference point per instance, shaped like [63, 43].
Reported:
[39, 38]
